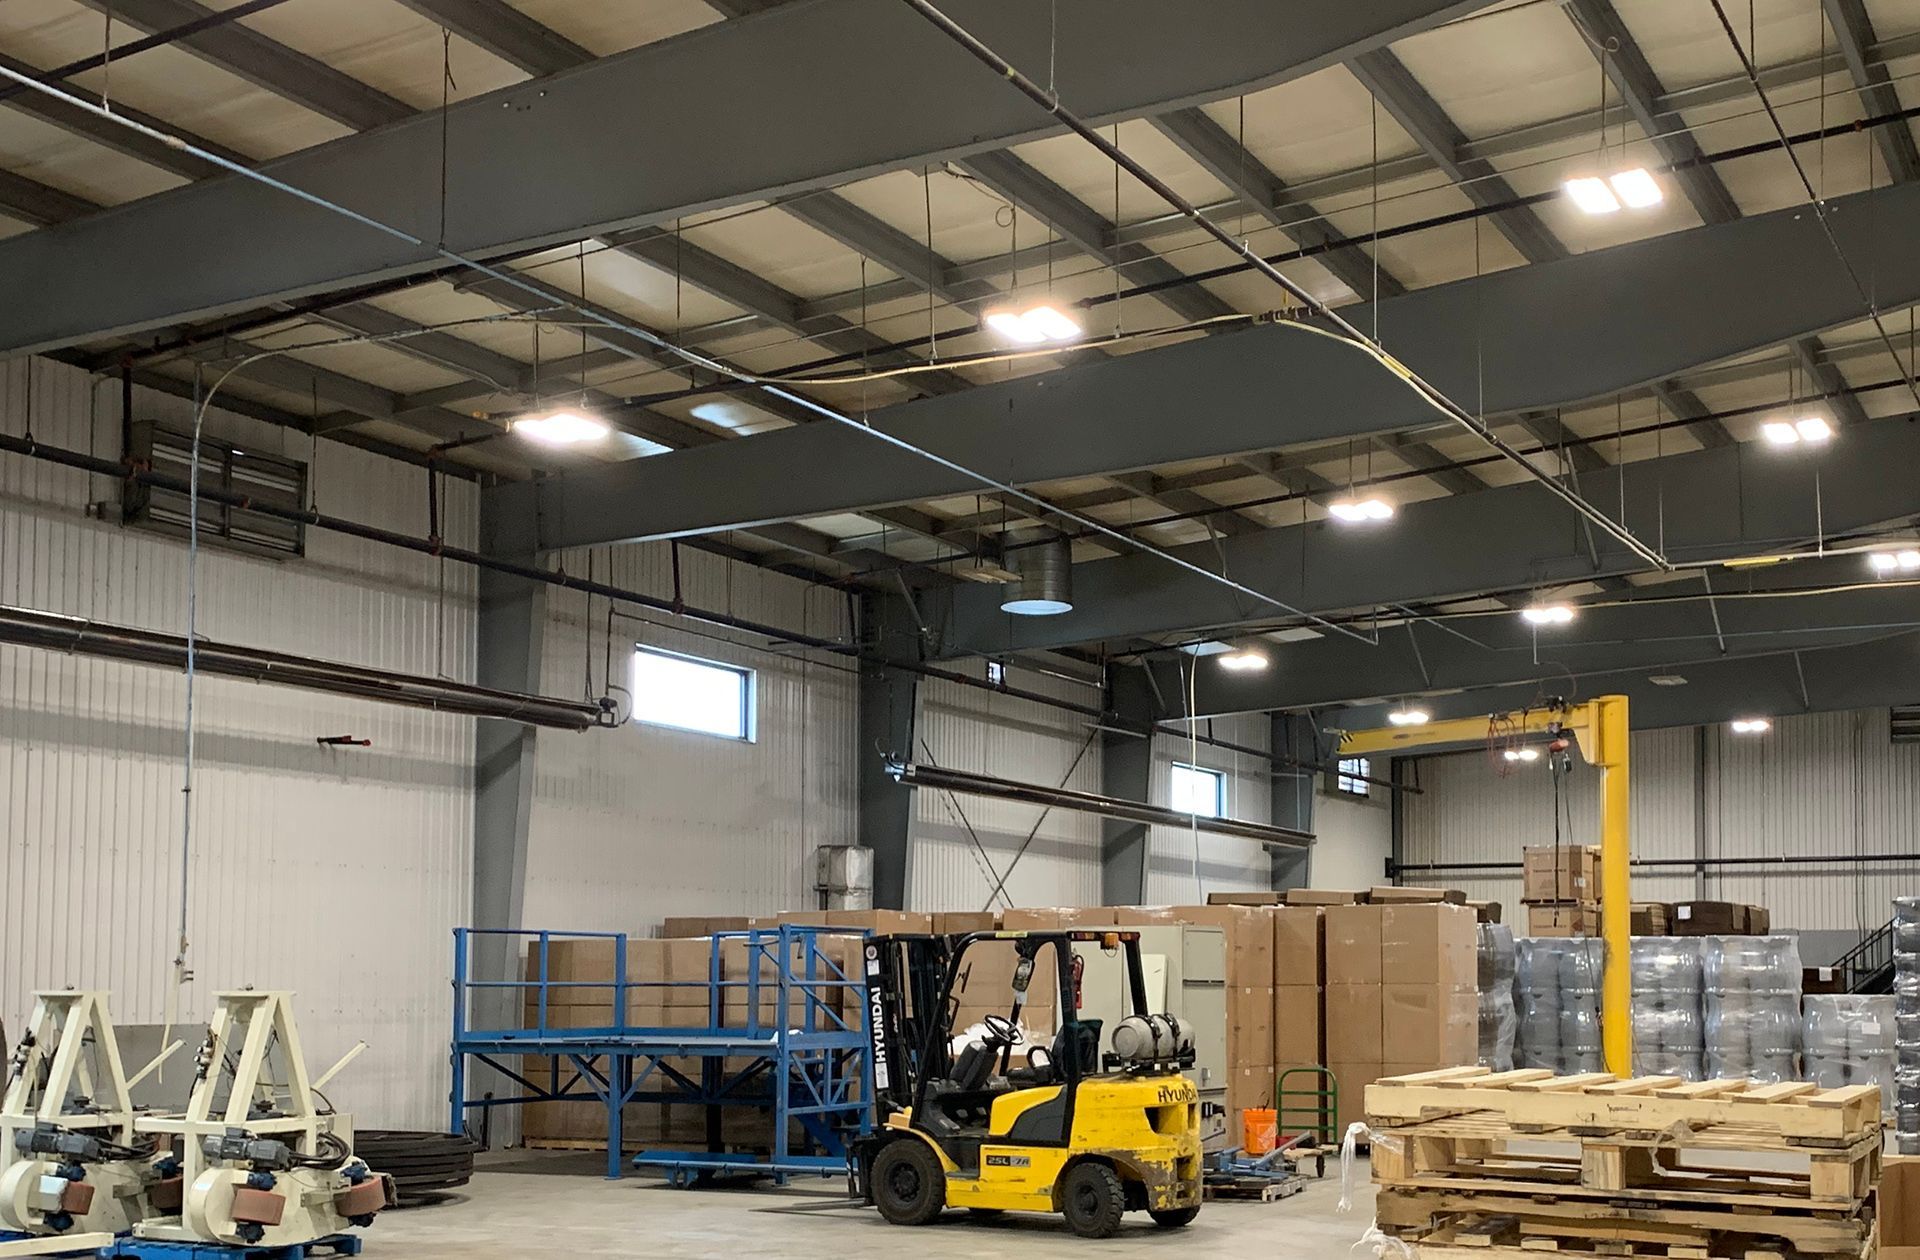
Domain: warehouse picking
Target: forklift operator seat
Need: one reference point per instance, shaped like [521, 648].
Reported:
[1076, 1043]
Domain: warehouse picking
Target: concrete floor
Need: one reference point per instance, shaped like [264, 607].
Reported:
[546, 1205]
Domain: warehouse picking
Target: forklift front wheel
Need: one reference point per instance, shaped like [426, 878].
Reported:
[1174, 1218]
[909, 1186]
[1093, 1200]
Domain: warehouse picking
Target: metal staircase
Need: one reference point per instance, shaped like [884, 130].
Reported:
[1868, 966]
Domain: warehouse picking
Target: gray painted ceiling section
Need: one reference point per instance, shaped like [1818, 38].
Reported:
[1704, 505]
[1820, 680]
[1544, 335]
[1653, 634]
[862, 86]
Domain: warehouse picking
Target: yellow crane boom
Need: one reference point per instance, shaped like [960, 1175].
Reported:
[1598, 728]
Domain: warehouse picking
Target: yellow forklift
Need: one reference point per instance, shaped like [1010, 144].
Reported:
[1068, 1128]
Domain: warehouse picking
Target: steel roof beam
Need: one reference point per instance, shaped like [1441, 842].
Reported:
[77, 121]
[1813, 679]
[1640, 89]
[1086, 230]
[1421, 117]
[1713, 504]
[1827, 380]
[1707, 294]
[585, 152]
[918, 268]
[1641, 92]
[31, 201]
[1207, 142]
[1854, 31]
[241, 50]
[1417, 658]
[730, 282]
[505, 32]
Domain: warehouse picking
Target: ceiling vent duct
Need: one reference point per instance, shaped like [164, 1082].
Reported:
[1044, 561]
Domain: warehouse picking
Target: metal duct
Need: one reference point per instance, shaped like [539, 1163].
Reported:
[28, 627]
[1045, 584]
[913, 774]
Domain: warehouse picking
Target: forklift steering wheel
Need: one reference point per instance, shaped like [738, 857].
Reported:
[1001, 1032]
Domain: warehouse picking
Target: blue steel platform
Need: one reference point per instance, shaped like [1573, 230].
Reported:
[129, 1248]
[810, 1064]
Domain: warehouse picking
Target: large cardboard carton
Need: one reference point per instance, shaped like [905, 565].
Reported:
[882, 922]
[1299, 945]
[1249, 1025]
[1398, 895]
[1141, 916]
[1429, 944]
[1032, 918]
[1298, 1031]
[1353, 938]
[1433, 1026]
[1243, 898]
[1899, 1205]
[1560, 873]
[1759, 920]
[1249, 940]
[1709, 918]
[1353, 1022]
[1324, 897]
[1567, 919]
[1650, 918]
[686, 965]
[957, 922]
[1351, 1078]
[1250, 1085]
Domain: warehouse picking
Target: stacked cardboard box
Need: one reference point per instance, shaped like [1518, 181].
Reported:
[1560, 885]
[1299, 994]
[1563, 920]
[1720, 918]
[1402, 994]
[1651, 918]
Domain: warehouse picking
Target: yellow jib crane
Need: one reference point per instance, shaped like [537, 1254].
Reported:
[1598, 727]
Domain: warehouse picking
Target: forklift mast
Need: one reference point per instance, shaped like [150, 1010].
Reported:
[906, 998]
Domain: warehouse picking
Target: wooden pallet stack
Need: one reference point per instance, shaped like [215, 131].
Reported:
[1483, 1164]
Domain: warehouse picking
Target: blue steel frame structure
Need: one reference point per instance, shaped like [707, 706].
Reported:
[809, 1062]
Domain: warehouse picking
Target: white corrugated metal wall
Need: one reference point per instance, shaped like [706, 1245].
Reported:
[1185, 864]
[963, 846]
[338, 873]
[1828, 783]
[634, 824]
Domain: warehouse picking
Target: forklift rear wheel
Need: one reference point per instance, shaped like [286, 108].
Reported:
[1174, 1218]
[1092, 1199]
[909, 1186]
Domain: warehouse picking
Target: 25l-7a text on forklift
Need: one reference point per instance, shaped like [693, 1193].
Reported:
[1071, 1130]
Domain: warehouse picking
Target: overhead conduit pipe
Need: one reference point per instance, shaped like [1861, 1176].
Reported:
[130, 472]
[26, 627]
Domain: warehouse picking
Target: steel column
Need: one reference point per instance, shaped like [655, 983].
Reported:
[888, 719]
[1126, 770]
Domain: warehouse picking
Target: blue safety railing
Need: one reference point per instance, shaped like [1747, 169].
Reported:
[807, 1058]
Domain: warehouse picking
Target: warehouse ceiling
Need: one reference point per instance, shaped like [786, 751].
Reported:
[558, 196]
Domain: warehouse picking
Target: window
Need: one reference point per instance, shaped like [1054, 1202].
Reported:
[692, 695]
[997, 673]
[1352, 776]
[1197, 791]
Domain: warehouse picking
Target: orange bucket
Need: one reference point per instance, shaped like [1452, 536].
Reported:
[1260, 1130]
